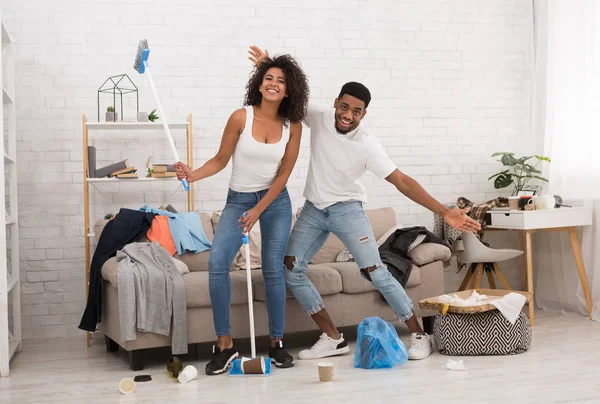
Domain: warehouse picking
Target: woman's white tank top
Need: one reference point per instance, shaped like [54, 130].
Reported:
[255, 164]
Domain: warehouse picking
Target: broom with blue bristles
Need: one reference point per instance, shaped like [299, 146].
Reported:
[142, 67]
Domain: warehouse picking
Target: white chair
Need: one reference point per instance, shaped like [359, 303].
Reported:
[481, 258]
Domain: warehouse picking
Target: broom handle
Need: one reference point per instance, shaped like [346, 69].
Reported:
[165, 124]
[250, 305]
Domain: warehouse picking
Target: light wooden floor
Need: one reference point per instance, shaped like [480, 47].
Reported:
[562, 365]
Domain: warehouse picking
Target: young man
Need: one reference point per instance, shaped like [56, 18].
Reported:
[341, 152]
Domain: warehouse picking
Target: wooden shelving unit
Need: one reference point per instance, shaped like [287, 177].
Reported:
[88, 127]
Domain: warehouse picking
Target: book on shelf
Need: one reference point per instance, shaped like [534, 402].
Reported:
[122, 171]
[168, 174]
[127, 175]
[91, 161]
[111, 168]
[163, 168]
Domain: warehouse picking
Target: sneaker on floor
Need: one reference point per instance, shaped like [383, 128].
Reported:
[221, 360]
[280, 357]
[324, 347]
[420, 346]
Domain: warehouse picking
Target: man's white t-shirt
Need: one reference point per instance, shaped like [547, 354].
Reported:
[337, 161]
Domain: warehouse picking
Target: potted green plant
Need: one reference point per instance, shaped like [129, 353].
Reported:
[519, 171]
[152, 117]
[142, 117]
[111, 114]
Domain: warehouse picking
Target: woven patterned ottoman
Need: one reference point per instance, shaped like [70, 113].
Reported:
[486, 333]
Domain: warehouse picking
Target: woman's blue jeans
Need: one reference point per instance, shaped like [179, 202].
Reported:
[275, 225]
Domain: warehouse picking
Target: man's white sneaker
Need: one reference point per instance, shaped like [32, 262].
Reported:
[324, 347]
[420, 346]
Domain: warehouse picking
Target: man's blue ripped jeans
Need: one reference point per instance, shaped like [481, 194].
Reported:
[348, 221]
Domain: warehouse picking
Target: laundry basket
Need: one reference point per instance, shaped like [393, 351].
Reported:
[479, 329]
[486, 333]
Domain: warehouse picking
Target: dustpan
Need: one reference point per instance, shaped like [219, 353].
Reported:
[237, 368]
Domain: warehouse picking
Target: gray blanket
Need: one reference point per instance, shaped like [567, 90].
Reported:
[151, 293]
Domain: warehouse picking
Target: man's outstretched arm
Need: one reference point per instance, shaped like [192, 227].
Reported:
[455, 217]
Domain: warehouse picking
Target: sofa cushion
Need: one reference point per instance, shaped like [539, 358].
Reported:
[326, 279]
[381, 219]
[196, 285]
[429, 252]
[353, 282]
[198, 294]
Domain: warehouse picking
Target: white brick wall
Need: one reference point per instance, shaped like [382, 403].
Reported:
[450, 83]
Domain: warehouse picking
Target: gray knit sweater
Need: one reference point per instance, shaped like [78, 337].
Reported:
[151, 292]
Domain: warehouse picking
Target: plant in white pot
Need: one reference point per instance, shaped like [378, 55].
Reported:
[111, 114]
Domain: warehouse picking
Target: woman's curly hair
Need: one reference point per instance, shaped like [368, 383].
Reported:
[293, 107]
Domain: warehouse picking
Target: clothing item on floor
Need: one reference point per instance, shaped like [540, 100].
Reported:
[186, 229]
[280, 357]
[221, 360]
[126, 227]
[160, 231]
[421, 346]
[324, 347]
[151, 294]
[394, 251]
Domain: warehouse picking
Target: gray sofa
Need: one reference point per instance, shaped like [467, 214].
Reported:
[348, 297]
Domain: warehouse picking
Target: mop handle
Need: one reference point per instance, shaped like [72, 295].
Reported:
[250, 305]
[246, 242]
[165, 124]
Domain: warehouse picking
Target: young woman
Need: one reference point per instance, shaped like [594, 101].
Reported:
[264, 140]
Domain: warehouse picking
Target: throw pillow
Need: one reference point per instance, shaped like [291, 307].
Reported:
[429, 252]
[181, 266]
[345, 256]
[239, 262]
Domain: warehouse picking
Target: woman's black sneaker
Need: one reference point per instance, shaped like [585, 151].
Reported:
[221, 360]
[279, 356]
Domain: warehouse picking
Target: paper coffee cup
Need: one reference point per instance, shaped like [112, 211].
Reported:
[254, 366]
[127, 385]
[513, 203]
[325, 371]
[187, 374]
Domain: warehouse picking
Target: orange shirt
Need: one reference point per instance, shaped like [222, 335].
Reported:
[161, 233]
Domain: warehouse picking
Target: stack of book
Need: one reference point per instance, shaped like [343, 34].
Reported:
[161, 170]
[127, 172]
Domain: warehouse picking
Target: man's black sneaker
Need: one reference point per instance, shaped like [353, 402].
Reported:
[280, 357]
[221, 360]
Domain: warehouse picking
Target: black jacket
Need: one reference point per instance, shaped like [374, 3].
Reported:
[394, 251]
[126, 227]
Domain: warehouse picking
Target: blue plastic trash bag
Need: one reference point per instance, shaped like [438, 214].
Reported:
[378, 345]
